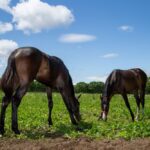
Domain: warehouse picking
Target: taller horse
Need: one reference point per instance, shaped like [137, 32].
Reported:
[27, 64]
[124, 82]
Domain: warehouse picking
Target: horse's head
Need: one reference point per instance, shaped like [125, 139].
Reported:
[105, 107]
[77, 108]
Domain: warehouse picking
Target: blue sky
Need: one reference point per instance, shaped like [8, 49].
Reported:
[91, 37]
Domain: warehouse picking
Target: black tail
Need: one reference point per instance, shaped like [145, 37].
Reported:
[7, 82]
[144, 77]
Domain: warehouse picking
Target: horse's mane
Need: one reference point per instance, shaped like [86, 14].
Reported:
[112, 78]
[71, 85]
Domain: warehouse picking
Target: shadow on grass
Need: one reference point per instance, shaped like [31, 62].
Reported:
[40, 133]
[60, 131]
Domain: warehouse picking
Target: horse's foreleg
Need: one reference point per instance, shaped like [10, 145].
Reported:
[128, 105]
[15, 104]
[50, 104]
[5, 102]
[138, 105]
[68, 105]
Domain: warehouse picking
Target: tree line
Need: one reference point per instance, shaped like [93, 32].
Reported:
[81, 87]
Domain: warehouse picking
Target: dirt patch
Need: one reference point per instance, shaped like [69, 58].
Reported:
[74, 144]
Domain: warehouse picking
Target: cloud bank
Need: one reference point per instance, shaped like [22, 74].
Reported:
[32, 16]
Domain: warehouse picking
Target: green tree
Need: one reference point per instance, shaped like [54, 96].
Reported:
[81, 87]
[95, 87]
[148, 86]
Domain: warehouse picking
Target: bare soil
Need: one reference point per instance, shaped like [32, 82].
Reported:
[74, 144]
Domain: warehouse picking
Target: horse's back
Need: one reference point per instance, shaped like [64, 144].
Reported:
[127, 80]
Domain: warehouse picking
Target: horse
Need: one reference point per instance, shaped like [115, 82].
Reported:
[26, 64]
[132, 81]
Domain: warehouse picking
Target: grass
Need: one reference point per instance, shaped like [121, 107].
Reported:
[33, 114]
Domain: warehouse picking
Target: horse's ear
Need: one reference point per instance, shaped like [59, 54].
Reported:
[78, 97]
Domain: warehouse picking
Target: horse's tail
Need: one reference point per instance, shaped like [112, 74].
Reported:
[144, 77]
[7, 82]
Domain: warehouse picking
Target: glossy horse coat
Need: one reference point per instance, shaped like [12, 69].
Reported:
[124, 82]
[27, 64]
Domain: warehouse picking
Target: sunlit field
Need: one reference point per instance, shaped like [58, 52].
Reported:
[33, 114]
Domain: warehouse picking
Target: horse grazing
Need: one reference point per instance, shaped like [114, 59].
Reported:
[124, 82]
[27, 64]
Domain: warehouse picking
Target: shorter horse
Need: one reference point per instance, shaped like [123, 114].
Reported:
[27, 64]
[124, 82]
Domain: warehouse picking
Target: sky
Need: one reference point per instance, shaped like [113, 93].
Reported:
[92, 37]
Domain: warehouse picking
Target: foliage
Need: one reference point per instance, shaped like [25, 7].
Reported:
[95, 87]
[33, 113]
[148, 86]
[92, 87]
[81, 87]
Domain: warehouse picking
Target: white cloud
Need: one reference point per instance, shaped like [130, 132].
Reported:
[5, 27]
[76, 38]
[110, 55]
[4, 4]
[35, 15]
[97, 78]
[6, 47]
[126, 28]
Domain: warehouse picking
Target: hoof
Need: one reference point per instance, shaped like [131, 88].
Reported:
[50, 124]
[2, 133]
[75, 123]
[16, 131]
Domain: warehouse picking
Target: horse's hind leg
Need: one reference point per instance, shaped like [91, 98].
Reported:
[5, 102]
[50, 104]
[142, 98]
[138, 105]
[15, 104]
[128, 105]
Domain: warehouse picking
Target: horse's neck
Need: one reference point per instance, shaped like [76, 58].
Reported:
[108, 90]
[71, 87]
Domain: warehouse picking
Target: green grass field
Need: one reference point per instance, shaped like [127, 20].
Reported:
[33, 113]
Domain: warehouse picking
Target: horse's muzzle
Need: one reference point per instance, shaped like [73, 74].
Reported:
[104, 116]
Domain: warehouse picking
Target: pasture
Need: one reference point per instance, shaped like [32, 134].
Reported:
[33, 114]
